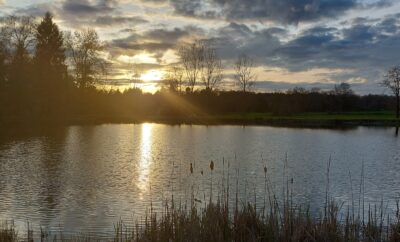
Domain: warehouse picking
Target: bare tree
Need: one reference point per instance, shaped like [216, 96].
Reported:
[174, 79]
[343, 89]
[212, 68]
[244, 73]
[392, 81]
[137, 73]
[4, 56]
[191, 57]
[20, 35]
[84, 48]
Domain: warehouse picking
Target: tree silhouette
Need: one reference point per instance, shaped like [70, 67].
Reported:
[84, 48]
[392, 81]
[4, 55]
[49, 62]
[212, 68]
[191, 57]
[21, 38]
[244, 73]
[174, 79]
[19, 32]
[343, 89]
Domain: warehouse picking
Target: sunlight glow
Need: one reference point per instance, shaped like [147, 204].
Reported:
[152, 75]
[145, 158]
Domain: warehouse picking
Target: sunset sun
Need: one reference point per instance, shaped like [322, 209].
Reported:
[152, 76]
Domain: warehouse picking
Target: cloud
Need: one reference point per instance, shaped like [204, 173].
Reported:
[361, 45]
[280, 11]
[85, 7]
[366, 47]
[235, 39]
[114, 20]
[285, 11]
[36, 10]
[273, 32]
[154, 40]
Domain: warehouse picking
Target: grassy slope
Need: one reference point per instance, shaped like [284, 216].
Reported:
[300, 120]
[356, 118]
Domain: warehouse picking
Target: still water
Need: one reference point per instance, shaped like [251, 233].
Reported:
[87, 178]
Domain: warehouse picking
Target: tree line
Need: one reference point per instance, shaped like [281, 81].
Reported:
[40, 66]
[48, 74]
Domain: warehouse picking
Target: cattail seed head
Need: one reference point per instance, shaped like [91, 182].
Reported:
[191, 168]
[212, 165]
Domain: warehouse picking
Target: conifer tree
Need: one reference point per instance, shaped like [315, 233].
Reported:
[49, 62]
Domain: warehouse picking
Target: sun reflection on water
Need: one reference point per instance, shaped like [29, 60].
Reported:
[145, 158]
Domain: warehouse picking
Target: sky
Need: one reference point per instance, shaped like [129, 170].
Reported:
[306, 43]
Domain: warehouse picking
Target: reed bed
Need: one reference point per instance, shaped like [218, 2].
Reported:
[217, 220]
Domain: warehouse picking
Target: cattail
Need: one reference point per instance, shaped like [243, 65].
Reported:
[265, 169]
[212, 168]
[191, 168]
[201, 172]
[291, 181]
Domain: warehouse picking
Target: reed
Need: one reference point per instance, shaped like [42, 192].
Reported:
[277, 220]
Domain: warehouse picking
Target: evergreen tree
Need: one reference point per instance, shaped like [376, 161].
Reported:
[50, 67]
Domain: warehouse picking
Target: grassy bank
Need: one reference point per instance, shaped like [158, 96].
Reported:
[296, 120]
[315, 119]
[216, 222]
[329, 120]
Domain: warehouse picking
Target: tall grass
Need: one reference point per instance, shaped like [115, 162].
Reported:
[276, 220]
[216, 223]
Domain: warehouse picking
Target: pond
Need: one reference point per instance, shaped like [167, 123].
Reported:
[86, 178]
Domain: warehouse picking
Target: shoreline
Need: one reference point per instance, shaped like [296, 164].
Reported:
[306, 120]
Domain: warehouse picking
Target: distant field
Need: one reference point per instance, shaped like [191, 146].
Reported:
[355, 118]
[302, 119]
[389, 116]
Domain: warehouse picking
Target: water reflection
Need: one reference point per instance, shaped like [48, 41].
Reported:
[85, 178]
[145, 158]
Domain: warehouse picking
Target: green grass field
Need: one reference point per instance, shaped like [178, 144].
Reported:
[316, 116]
[356, 118]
